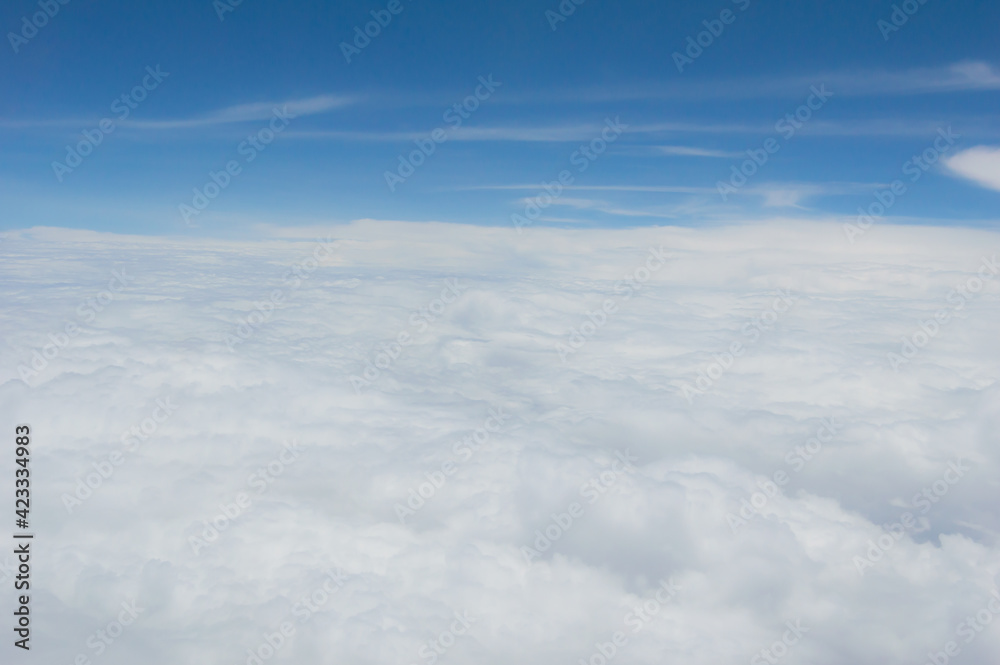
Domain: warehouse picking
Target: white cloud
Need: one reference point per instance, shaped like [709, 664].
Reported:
[688, 151]
[249, 112]
[980, 164]
[964, 76]
[598, 206]
[494, 347]
[252, 111]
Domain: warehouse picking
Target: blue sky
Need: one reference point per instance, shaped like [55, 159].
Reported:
[560, 82]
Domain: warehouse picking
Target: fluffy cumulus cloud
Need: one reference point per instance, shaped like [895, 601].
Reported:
[980, 165]
[417, 443]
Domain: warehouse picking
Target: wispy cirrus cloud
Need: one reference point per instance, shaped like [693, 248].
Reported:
[985, 127]
[701, 201]
[555, 133]
[810, 189]
[964, 76]
[250, 112]
[688, 151]
[661, 189]
[605, 207]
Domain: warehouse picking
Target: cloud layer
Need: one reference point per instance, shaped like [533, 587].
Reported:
[410, 413]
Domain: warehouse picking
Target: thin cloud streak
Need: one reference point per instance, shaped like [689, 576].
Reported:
[888, 128]
[686, 151]
[965, 76]
[775, 195]
[601, 206]
[251, 112]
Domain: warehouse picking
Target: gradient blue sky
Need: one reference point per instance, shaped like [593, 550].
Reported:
[608, 59]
